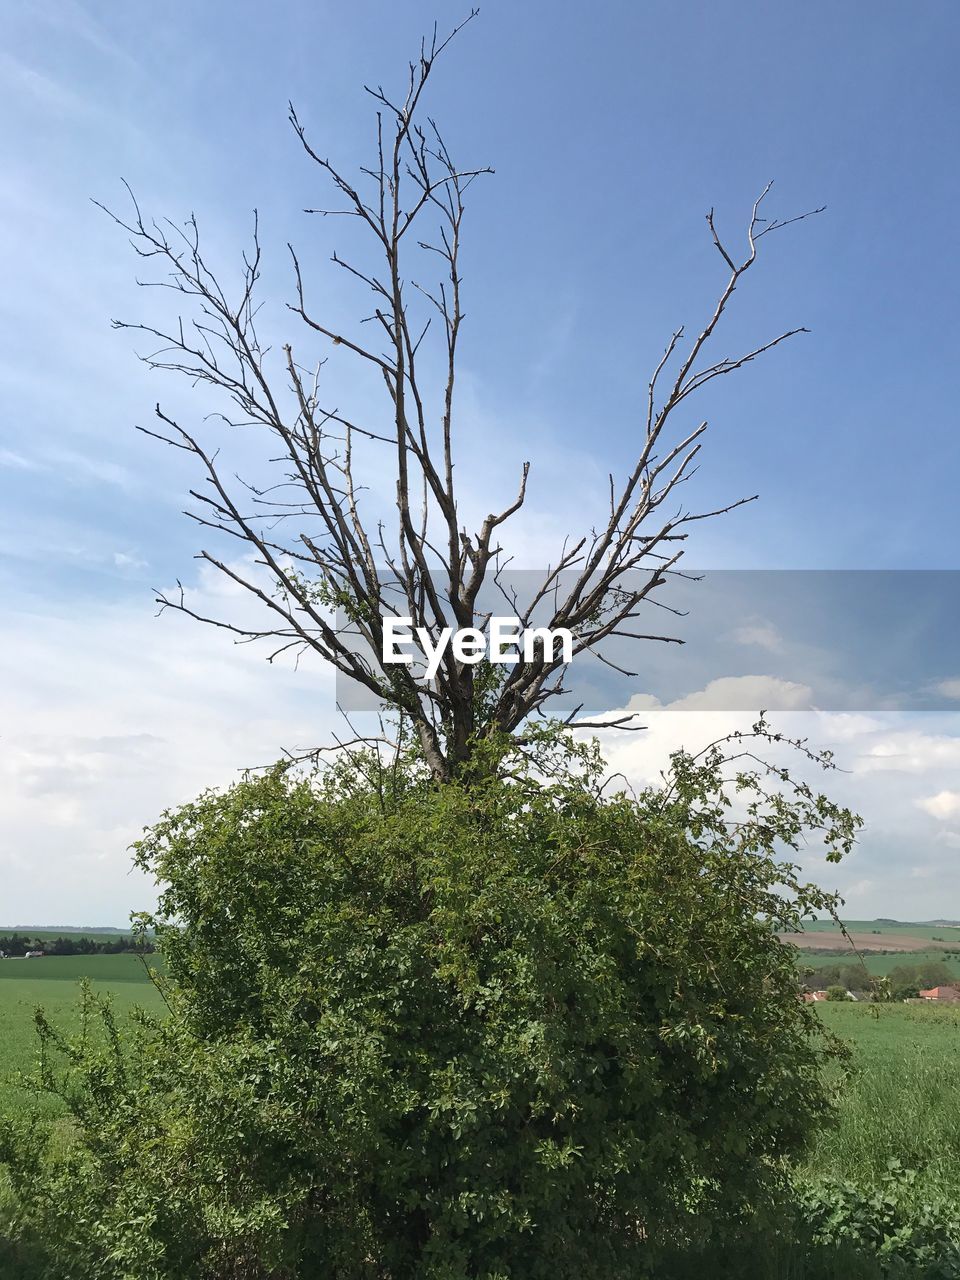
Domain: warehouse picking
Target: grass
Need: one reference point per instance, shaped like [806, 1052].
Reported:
[901, 1098]
[108, 969]
[52, 981]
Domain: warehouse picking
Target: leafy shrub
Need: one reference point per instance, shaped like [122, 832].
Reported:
[831, 1229]
[516, 1028]
[908, 1235]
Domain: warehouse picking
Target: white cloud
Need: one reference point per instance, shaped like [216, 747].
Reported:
[943, 805]
[124, 560]
[44, 91]
[71, 18]
[82, 467]
[847, 726]
[949, 688]
[909, 750]
[17, 461]
[903, 853]
[167, 708]
[760, 634]
[727, 692]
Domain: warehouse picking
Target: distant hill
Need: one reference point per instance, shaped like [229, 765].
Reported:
[930, 924]
[930, 938]
[926, 924]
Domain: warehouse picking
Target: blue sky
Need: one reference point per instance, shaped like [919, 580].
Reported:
[612, 129]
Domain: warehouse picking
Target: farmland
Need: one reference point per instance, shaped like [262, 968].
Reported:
[879, 945]
[876, 935]
[879, 964]
[930, 930]
[51, 982]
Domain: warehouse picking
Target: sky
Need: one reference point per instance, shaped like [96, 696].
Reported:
[612, 129]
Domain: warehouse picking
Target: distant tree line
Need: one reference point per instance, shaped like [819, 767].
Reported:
[903, 982]
[18, 944]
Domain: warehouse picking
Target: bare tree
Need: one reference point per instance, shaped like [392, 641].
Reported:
[316, 544]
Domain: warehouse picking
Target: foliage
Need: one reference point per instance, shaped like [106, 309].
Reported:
[829, 1229]
[910, 978]
[858, 973]
[516, 1028]
[836, 993]
[916, 1238]
[851, 977]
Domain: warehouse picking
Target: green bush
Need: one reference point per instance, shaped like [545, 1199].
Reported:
[829, 1229]
[507, 1029]
[909, 1237]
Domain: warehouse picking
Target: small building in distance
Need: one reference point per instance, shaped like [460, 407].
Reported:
[946, 995]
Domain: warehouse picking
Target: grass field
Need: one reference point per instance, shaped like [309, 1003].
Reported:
[52, 981]
[901, 1098]
[880, 964]
[893, 929]
[109, 969]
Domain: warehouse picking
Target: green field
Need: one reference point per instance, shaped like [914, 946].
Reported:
[52, 982]
[900, 1098]
[122, 967]
[881, 963]
[948, 934]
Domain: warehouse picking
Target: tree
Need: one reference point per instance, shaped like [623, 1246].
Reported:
[907, 980]
[837, 993]
[511, 1025]
[318, 538]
